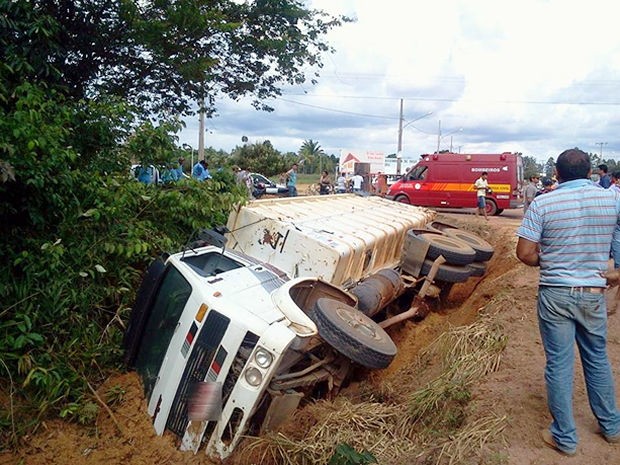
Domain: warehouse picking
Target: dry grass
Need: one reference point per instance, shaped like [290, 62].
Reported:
[425, 426]
[470, 439]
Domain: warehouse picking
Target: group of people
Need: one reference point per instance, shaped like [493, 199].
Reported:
[172, 172]
[535, 187]
[569, 234]
[354, 183]
[608, 180]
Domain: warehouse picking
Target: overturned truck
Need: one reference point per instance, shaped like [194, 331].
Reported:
[281, 306]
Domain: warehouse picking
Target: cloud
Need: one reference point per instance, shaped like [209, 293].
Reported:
[532, 76]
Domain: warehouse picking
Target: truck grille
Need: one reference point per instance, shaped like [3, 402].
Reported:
[197, 367]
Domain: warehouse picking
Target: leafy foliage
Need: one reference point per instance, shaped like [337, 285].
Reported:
[262, 158]
[163, 55]
[531, 167]
[80, 86]
[310, 152]
[77, 241]
[347, 455]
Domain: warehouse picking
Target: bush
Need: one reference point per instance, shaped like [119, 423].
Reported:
[75, 243]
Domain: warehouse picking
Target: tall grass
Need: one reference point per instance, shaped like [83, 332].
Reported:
[428, 423]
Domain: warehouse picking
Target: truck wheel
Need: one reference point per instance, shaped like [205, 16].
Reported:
[353, 334]
[402, 199]
[478, 268]
[491, 207]
[484, 250]
[455, 251]
[448, 273]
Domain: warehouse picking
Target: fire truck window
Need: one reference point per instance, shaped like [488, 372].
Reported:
[418, 174]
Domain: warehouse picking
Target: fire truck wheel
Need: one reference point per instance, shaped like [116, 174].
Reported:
[491, 207]
[455, 251]
[402, 199]
[484, 250]
[353, 334]
[448, 273]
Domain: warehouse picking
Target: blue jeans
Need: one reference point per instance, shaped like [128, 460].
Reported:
[567, 315]
[292, 191]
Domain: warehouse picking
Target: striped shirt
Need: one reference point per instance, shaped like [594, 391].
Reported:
[576, 226]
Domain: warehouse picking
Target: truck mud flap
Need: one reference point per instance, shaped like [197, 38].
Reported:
[141, 309]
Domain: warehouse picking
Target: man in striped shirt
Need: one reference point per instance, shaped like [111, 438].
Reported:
[569, 233]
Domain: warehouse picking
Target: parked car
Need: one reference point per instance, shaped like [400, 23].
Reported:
[263, 185]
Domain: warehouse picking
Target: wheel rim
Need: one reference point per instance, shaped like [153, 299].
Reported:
[354, 320]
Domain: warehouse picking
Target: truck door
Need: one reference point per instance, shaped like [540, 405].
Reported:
[443, 185]
[416, 186]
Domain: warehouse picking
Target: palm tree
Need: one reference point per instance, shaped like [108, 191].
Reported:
[310, 151]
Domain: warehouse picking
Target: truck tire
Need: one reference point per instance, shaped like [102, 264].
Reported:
[402, 199]
[484, 250]
[353, 334]
[478, 268]
[448, 273]
[454, 250]
[491, 207]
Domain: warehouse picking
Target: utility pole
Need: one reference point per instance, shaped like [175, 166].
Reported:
[201, 131]
[601, 147]
[399, 150]
[438, 136]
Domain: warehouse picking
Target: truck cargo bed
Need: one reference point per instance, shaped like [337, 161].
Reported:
[339, 238]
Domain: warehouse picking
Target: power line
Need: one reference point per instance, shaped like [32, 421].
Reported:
[444, 99]
[368, 115]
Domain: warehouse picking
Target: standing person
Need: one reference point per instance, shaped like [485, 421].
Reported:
[605, 180]
[179, 169]
[324, 183]
[569, 233]
[615, 181]
[291, 181]
[382, 186]
[200, 171]
[547, 186]
[148, 174]
[341, 184]
[530, 192]
[243, 178]
[482, 187]
[357, 181]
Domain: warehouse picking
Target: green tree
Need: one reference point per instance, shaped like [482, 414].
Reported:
[163, 55]
[530, 167]
[549, 168]
[312, 154]
[259, 157]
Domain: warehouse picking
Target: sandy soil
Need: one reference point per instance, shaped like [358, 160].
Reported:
[516, 390]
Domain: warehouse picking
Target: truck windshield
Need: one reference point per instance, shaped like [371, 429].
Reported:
[168, 306]
[418, 173]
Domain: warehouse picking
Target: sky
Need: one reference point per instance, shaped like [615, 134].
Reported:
[474, 76]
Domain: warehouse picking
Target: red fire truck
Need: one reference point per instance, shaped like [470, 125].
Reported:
[447, 180]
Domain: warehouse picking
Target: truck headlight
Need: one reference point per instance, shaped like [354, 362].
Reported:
[253, 376]
[263, 358]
